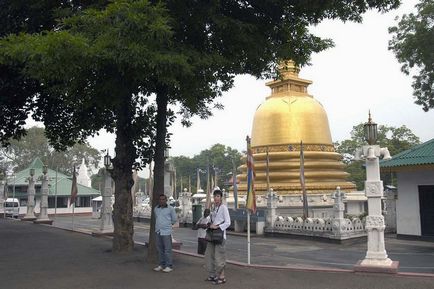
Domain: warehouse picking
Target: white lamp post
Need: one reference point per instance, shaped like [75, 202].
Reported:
[376, 259]
[30, 215]
[106, 226]
[43, 215]
[13, 199]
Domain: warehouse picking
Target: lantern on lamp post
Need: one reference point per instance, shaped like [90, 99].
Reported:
[371, 131]
[107, 161]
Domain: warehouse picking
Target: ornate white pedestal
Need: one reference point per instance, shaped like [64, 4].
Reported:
[106, 226]
[43, 215]
[30, 215]
[376, 259]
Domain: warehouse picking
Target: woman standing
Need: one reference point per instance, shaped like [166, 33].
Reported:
[215, 255]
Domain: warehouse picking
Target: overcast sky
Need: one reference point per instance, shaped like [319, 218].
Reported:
[358, 74]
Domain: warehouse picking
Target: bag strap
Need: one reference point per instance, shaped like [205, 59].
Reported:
[210, 215]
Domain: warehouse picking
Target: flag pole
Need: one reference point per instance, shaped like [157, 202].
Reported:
[251, 199]
[234, 183]
[73, 206]
[267, 171]
[248, 236]
[74, 193]
[303, 183]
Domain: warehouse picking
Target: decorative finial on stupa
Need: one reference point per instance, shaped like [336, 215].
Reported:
[288, 68]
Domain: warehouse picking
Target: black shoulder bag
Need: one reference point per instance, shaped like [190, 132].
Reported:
[215, 235]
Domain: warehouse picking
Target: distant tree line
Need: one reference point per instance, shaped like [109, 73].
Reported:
[396, 139]
[218, 160]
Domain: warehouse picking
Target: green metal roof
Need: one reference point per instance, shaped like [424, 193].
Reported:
[422, 154]
[64, 182]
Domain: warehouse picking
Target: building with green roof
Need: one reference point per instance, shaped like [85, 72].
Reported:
[415, 184]
[59, 189]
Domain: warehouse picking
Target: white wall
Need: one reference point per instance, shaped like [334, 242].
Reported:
[68, 210]
[407, 204]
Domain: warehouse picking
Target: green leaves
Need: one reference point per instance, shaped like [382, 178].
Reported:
[412, 43]
[35, 144]
[219, 158]
[396, 139]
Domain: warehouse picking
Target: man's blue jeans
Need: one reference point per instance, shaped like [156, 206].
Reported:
[164, 247]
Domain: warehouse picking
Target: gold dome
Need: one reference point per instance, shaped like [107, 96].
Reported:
[288, 117]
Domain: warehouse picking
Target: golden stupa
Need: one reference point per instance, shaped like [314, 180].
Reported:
[288, 117]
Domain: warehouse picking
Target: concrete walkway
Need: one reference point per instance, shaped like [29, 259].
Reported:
[292, 252]
[40, 256]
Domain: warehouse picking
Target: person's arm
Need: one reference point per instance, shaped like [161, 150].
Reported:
[227, 219]
[201, 223]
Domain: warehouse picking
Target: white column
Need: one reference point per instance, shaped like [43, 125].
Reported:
[106, 226]
[43, 215]
[30, 215]
[225, 197]
[338, 224]
[376, 254]
[2, 197]
[271, 209]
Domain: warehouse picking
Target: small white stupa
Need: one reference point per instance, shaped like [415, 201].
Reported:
[83, 176]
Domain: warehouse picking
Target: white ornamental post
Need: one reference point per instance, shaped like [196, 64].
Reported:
[106, 210]
[30, 215]
[338, 224]
[43, 215]
[106, 226]
[272, 200]
[376, 259]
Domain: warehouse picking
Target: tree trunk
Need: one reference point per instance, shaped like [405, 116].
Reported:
[160, 147]
[122, 175]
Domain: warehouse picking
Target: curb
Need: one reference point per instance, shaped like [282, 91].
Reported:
[267, 267]
[309, 269]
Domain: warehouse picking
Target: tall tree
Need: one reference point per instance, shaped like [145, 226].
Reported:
[103, 65]
[396, 139]
[413, 43]
[97, 75]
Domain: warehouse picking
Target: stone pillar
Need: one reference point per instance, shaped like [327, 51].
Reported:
[376, 257]
[106, 226]
[260, 224]
[2, 199]
[43, 215]
[225, 197]
[272, 201]
[239, 226]
[30, 215]
[338, 223]
[185, 200]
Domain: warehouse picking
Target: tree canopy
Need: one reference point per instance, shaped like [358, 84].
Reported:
[413, 45]
[20, 153]
[17, 88]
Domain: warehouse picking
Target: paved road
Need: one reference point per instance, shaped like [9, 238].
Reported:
[414, 256]
[43, 257]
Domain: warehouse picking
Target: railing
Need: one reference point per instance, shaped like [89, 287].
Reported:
[331, 228]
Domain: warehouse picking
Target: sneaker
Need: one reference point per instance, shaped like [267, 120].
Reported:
[167, 270]
[158, 269]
